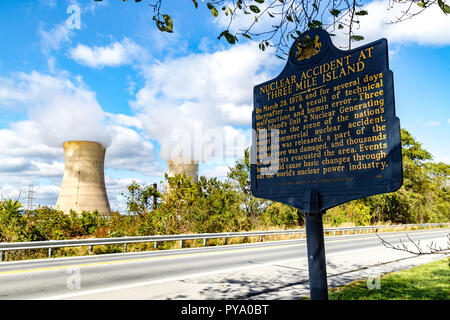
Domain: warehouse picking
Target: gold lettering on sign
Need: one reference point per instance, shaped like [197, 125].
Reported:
[326, 127]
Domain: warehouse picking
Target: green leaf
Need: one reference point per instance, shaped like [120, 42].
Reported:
[195, 3]
[444, 7]
[340, 26]
[213, 9]
[254, 8]
[361, 13]
[228, 36]
[260, 1]
[270, 15]
[335, 12]
[262, 46]
[247, 36]
[169, 22]
[289, 17]
[214, 12]
[315, 24]
[357, 38]
[423, 4]
[166, 25]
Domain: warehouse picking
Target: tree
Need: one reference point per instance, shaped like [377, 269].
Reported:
[140, 198]
[424, 195]
[260, 211]
[290, 18]
[12, 222]
[415, 247]
[240, 176]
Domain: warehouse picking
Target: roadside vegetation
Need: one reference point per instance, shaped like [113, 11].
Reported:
[430, 281]
[211, 205]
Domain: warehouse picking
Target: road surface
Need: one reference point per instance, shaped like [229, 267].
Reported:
[267, 270]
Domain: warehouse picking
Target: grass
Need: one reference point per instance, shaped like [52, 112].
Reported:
[429, 281]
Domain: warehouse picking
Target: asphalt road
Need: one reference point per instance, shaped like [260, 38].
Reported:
[182, 273]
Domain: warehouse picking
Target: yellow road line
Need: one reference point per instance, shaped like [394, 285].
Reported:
[142, 259]
[182, 255]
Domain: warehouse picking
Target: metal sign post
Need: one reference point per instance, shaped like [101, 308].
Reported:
[315, 247]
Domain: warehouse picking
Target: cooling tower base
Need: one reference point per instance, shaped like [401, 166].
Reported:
[83, 186]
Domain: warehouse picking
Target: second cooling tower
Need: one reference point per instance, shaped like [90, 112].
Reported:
[83, 186]
[179, 167]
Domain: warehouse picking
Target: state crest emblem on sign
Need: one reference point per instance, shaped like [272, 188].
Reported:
[307, 48]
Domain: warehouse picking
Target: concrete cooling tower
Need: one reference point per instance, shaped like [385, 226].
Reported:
[178, 167]
[83, 186]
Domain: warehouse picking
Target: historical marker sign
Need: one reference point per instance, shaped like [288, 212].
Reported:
[328, 121]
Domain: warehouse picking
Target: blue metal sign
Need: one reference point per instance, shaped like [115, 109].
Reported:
[325, 130]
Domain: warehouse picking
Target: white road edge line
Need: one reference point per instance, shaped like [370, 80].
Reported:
[202, 274]
[185, 250]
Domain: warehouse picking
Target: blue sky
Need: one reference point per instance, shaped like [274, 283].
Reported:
[120, 81]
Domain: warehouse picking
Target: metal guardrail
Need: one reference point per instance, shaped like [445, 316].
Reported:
[50, 244]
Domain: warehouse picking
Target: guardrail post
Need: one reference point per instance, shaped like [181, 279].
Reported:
[224, 241]
[1, 255]
[260, 238]
[49, 252]
[124, 247]
[90, 249]
[181, 243]
[155, 244]
[204, 242]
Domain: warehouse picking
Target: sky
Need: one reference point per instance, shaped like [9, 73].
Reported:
[87, 70]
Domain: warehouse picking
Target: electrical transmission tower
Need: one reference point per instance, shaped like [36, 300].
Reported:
[30, 197]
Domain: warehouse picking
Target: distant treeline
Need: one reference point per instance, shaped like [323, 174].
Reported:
[210, 205]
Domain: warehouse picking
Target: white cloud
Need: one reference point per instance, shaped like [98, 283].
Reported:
[219, 172]
[433, 123]
[59, 108]
[114, 55]
[188, 101]
[124, 120]
[428, 28]
[24, 160]
[53, 39]
[49, 3]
